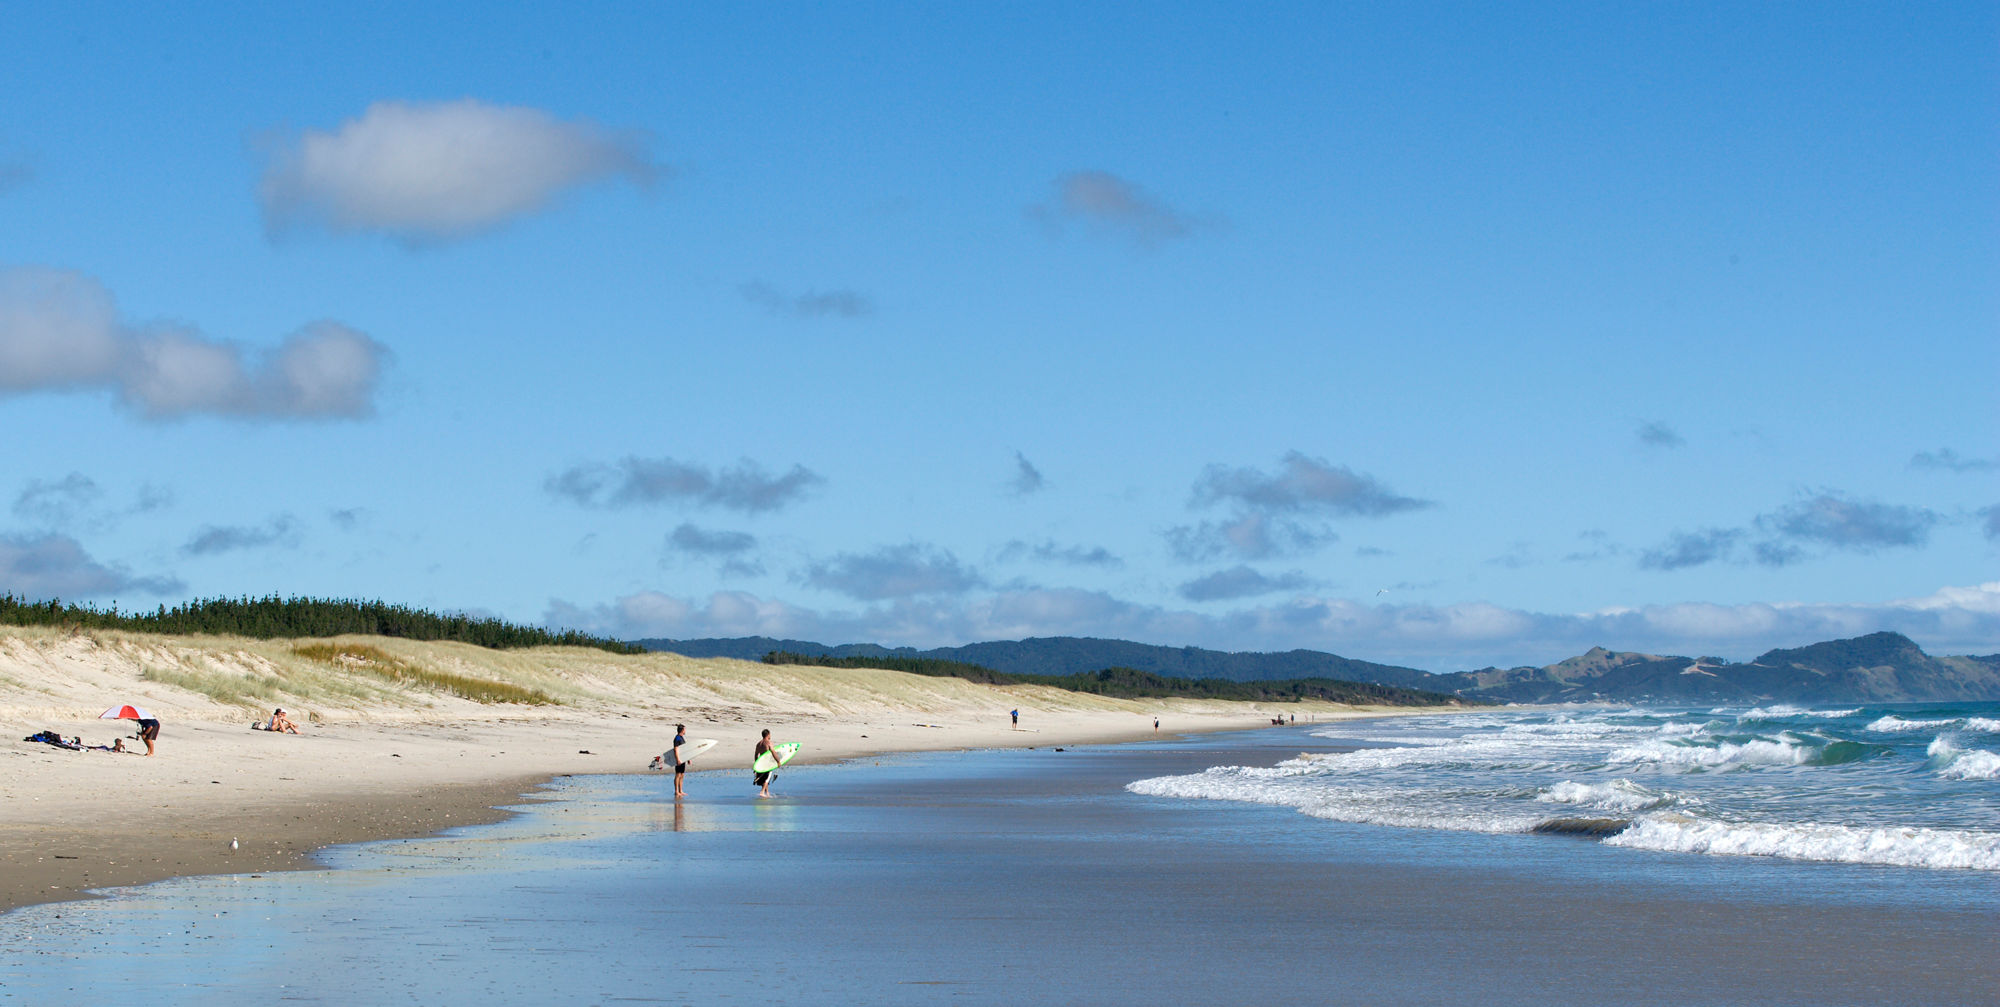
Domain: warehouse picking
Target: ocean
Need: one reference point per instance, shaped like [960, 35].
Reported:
[1907, 786]
[1761, 861]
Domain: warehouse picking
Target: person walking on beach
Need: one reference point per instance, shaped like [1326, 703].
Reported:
[1156, 725]
[763, 779]
[680, 764]
[1016, 714]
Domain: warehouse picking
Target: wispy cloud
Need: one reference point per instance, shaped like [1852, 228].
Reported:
[1049, 552]
[1686, 549]
[1027, 478]
[1833, 520]
[1273, 510]
[1655, 434]
[1952, 461]
[59, 330]
[56, 566]
[1303, 484]
[1112, 204]
[1241, 582]
[1440, 637]
[1809, 526]
[1251, 536]
[1992, 524]
[428, 172]
[634, 481]
[811, 304]
[730, 549]
[57, 504]
[900, 571]
[214, 540]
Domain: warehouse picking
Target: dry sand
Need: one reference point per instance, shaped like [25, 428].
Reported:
[383, 755]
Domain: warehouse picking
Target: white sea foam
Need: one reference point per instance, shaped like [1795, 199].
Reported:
[1984, 725]
[1955, 763]
[1785, 711]
[1615, 795]
[1781, 711]
[1785, 751]
[1893, 724]
[1907, 847]
[1416, 808]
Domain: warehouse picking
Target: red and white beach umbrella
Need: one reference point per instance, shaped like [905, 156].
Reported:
[127, 712]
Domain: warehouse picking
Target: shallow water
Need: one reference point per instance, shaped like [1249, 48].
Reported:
[998, 877]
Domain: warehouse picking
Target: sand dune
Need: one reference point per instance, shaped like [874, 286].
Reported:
[396, 744]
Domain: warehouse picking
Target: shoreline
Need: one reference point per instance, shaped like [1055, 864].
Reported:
[281, 799]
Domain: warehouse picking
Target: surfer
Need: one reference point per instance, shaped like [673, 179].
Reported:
[680, 764]
[763, 779]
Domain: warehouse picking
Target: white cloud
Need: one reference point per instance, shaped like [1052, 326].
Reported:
[899, 571]
[426, 172]
[56, 566]
[59, 330]
[811, 304]
[634, 481]
[1112, 204]
[1027, 478]
[210, 540]
[1953, 620]
[1655, 434]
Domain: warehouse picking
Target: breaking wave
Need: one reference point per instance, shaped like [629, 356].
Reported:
[1904, 847]
[1954, 763]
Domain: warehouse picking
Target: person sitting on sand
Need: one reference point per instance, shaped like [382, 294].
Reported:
[763, 779]
[282, 723]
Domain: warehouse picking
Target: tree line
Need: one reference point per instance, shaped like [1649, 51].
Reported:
[273, 617]
[1131, 683]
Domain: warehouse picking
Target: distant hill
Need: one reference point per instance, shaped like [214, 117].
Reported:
[1074, 655]
[1879, 667]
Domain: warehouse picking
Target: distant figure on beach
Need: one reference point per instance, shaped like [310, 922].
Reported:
[282, 723]
[1016, 714]
[149, 732]
[763, 780]
[680, 764]
[1156, 723]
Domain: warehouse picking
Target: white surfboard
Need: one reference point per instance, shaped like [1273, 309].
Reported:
[688, 750]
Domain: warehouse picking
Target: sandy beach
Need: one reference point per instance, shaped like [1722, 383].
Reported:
[387, 751]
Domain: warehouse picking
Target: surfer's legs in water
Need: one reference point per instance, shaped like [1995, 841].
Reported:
[680, 779]
[764, 782]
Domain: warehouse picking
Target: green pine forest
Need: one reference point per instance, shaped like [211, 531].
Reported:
[273, 617]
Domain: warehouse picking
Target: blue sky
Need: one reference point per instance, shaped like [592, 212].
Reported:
[1430, 334]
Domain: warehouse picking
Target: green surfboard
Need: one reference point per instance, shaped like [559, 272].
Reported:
[777, 756]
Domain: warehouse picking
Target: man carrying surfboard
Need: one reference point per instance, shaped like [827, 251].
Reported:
[680, 761]
[765, 746]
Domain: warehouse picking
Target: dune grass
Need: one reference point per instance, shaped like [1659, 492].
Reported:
[245, 689]
[381, 664]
